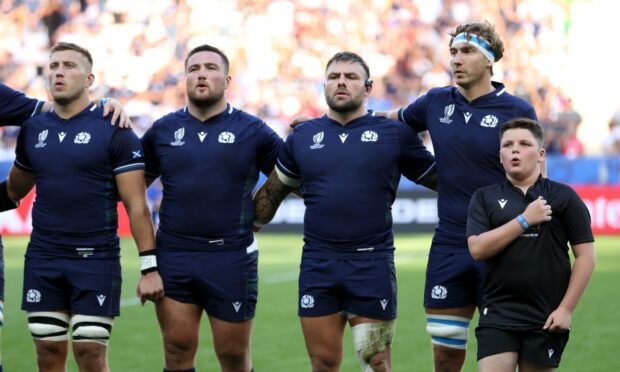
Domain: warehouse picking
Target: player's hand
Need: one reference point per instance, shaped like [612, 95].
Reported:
[119, 115]
[559, 320]
[150, 287]
[537, 212]
[298, 120]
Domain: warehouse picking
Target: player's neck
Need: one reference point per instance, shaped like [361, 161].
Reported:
[204, 113]
[477, 89]
[72, 108]
[343, 118]
[524, 183]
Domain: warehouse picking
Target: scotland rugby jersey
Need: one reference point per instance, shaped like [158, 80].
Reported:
[15, 108]
[74, 163]
[465, 139]
[208, 171]
[348, 177]
[527, 280]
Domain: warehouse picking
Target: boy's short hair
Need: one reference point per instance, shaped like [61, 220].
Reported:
[524, 123]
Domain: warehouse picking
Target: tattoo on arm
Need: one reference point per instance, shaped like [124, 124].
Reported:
[268, 198]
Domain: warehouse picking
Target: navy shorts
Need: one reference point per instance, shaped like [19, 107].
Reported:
[536, 346]
[453, 280]
[362, 287]
[224, 283]
[79, 286]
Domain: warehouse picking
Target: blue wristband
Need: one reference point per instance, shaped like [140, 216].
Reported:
[523, 222]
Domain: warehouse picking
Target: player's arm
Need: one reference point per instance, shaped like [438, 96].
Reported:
[560, 319]
[132, 191]
[488, 244]
[268, 198]
[19, 183]
[393, 115]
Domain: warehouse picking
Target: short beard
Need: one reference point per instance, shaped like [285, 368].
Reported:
[204, 103]
[342, 108]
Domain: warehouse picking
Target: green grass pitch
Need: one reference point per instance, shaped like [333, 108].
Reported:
[277, 343]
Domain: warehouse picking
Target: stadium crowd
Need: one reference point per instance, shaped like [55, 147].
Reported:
[278, 47]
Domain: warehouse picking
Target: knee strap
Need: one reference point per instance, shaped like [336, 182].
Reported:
[448, 330]
[89, 328]
[370, 339]
[48, 325]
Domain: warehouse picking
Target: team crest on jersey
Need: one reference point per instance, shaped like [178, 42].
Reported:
[226, 137]
[82, 138]
[178, 136]
[439, 292]
[447, 112]
[317, 139]
[307, 301]
[489, 121]
[33, 296]
[42, 138]
[370, 136]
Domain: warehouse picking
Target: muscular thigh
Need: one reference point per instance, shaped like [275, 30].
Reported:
[453, 280]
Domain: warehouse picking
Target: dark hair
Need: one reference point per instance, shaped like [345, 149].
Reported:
[349, 57]
[62, 46]
[209, 48]
[524, 123]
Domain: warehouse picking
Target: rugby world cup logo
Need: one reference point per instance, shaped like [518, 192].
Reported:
[178, 136]
[447, 112]
[317, 139]
[42, 138]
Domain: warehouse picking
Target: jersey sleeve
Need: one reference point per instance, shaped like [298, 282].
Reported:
[126, 151]
[577, 220]
[416, 162]
[269, 145]
[286, 167]
[477, 218]
[151, 162]
[15, 107]
[414, 115]
[22, 161]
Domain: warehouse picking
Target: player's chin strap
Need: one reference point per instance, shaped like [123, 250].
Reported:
[371, 339]
[448, 330]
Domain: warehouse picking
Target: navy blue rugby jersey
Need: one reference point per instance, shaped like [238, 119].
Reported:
[15, 107]
[208, 171]
[74, 163]
[465, 139]
[348, 176]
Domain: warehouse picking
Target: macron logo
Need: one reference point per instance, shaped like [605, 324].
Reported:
[502, 203]
[467, 116]
[101, 299]
[384, 303]
[202, 136]
[550, 351]
[237, 306]
[61, 136]
[343, 137]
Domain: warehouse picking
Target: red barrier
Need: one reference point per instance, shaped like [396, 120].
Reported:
[602, 201]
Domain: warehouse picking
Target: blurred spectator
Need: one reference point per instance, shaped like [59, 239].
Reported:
[611, 145]
[277, 47]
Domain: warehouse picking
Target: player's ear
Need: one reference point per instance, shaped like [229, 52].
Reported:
[368, 85]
